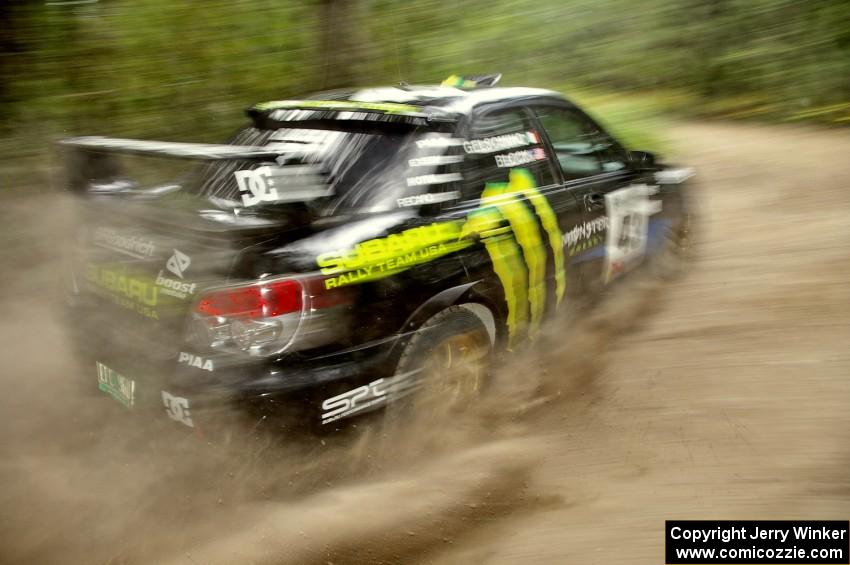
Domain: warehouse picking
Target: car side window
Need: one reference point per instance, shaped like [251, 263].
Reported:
[501, 140]
[573, 140]
[610, 153]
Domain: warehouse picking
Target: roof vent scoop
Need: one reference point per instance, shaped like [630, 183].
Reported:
[472, 82]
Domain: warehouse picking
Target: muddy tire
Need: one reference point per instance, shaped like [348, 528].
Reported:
[676, 250]
[450, 358]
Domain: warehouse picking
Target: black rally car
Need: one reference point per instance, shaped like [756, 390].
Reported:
[351, 249]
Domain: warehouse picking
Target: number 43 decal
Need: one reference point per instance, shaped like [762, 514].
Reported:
[628, 212]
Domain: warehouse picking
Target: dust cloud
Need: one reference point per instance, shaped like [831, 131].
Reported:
[86, 482]
[720, 393]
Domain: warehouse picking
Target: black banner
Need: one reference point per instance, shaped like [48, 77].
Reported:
[813, 542]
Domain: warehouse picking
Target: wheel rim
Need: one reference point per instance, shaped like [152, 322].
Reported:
[454, 371]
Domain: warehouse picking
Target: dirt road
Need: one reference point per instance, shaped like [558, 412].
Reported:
[732, 400]
[722, 394]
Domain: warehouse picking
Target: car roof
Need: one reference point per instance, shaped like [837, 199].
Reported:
[449, 98]
[426, 99]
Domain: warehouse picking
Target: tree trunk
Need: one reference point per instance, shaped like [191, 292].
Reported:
[341, 42]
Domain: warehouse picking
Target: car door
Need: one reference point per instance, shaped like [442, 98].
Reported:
[518, 208]
[611, 236]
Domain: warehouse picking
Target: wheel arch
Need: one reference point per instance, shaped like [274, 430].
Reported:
[466, 296]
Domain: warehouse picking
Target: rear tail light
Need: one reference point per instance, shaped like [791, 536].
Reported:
[257, 301]
[264, 318]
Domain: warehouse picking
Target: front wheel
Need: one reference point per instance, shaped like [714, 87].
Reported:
[676, 249]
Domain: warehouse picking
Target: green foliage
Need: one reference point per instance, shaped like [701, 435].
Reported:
[638, 120]
[179, 70]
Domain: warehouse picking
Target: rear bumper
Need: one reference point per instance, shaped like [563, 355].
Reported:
[203, 392]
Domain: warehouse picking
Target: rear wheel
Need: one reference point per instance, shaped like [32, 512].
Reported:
[449, 360]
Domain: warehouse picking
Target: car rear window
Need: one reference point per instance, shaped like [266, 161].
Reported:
[368, 170]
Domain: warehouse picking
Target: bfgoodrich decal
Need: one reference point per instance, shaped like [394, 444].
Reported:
[131, 245]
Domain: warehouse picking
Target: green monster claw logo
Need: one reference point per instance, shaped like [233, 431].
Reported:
[517, 250]
[523, 281]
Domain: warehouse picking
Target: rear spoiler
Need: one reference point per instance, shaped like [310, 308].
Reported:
[178, 150]
[91, 169]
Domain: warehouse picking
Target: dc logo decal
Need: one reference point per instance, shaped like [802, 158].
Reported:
[178, 263]
[256, 186]
[177, 409]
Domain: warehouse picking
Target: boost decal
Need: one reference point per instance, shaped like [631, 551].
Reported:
[178, 262]
[175, 288]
